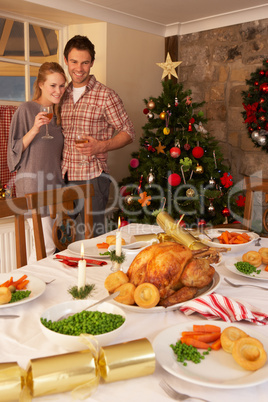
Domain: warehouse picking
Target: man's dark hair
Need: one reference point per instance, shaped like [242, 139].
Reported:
[81, 43]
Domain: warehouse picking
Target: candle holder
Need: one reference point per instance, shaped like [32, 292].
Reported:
[81, 293]
[116, 260]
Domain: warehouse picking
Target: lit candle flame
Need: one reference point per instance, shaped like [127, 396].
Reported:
[119, 222]
[82, 251]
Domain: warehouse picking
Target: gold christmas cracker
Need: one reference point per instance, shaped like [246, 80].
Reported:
[79, 372]
[61, 373]
[178, 233]
[128, 360]
[11, 381]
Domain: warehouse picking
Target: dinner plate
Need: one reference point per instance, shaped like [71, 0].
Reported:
[160, 309]
[90, 247]
[35, 285]
[229, 264]
[233, 247]
[217, 370]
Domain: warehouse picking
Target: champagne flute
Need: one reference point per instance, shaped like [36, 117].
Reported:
[49, 114]
[80, 138]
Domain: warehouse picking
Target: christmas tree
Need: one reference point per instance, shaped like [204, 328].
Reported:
[179, 166]
[255, 102]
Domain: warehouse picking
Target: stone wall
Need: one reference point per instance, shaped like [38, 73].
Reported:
[215, 65]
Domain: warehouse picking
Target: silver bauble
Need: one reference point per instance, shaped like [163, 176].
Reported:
[255, 135]
[212, 182]
[151, 105]
[211, 209]
[262, 140]
[150, 177]
[129, 199]
[150, 115]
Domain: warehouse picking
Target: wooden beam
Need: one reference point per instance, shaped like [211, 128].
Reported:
[5, 36]
[42, 40]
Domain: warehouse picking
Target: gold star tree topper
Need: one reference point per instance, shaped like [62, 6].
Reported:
[169, 67]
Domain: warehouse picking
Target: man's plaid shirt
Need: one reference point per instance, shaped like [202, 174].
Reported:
[99, 112]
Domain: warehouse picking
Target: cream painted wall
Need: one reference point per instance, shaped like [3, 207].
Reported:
[126, 62]
[97, 33]
[132, 72]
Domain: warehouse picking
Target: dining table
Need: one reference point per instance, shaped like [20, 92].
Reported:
[21, 338]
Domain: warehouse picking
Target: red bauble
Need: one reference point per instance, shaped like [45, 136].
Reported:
[174, 179]
[123, 191]
[202, 222]
[134, 163]
[187, 146]
[175, 152]
[264, 87]
[225, 212]
[123, 222]
[145, 111]
[261, 73]
[256, 83]
[198, 152]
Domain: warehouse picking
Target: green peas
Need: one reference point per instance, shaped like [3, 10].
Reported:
[185, 352]
[86, 322]
[246, 268]
[19, 295]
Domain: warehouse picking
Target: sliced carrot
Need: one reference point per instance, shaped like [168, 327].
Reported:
[103, 245]
[22, 285]
[191, 333]
[21, 279]
[216, 345]
[208, 337]
[7, 283]
[206, 328]
[266, 268]
[194, 342]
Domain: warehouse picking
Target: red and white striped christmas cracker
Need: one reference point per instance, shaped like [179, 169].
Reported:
[217, 306]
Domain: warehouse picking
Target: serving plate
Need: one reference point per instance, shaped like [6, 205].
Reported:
[217, 370]
[35, 285]
[229, 264]
[160, 309]
[90, 247]
[234, 248]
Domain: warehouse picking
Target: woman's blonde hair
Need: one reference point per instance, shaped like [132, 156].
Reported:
[44, 70]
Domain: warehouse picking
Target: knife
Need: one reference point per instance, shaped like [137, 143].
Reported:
[9, 316]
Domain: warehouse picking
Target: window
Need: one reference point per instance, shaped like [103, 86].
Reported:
[24, 46]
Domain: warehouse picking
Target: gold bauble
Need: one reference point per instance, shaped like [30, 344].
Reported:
[162, 115]
[166, 130]
[190, 192]
[199, 169]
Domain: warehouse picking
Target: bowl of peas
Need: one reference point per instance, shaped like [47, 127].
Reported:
[104, 322]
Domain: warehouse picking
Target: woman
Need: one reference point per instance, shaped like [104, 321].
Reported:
[36, 160]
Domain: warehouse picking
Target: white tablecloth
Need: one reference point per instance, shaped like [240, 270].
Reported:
[21, 339]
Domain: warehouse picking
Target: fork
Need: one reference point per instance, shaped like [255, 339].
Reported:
[237, 285]
[175, 394]
[48, 282]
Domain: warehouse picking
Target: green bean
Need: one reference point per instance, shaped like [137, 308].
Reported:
[246, 268]
[185, 352]
[85, 322]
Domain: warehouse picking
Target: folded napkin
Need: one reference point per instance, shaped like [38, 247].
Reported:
[217, 306]
[67, 259]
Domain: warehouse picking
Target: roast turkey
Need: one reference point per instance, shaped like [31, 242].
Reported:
[173, 269]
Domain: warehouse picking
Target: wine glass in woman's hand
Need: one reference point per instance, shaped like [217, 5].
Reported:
[49, 114]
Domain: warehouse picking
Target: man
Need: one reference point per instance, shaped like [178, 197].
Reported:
[98, 112]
